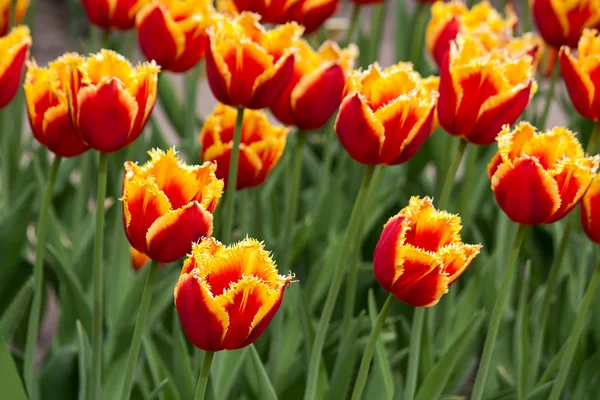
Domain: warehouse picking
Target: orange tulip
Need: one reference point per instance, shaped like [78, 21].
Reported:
[173, 32]
[561, 23]
[112, 14]
[482, 22]
[261, 146]
[315, 91]
[14, 50]
[385, 116]
[168, 205]
[582, 74]
[6, 9]
[538, 178]
[247, 66]
[590, 212]
[227, 295]
[110, 101]
[47, 106]
[480, 91]
[420, 253]
[309, 13]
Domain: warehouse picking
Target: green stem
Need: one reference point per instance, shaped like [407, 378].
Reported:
[567, 357]
[136, 341]
[496, 318]
[232, 178]
[467, 189]
[451, 175]
[547, 302]
[191, 91]
[591, 147]
[81, 196]
[291, 204]
[327, 158]
[416, 45]
[353, 23]
[334, 288]
[98, 309]
[549, 96]
[365, 363]
[352, 279]
[204, 373]
[414, 352]
[38, 278]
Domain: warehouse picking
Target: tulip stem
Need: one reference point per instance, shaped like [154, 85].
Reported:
[591, 147]
[353, 23]
[38, 279]
[567, 357]
[416, 333]
[204, 373]
[334, 288]
[496, 318]
[549, 95]
[232, 178]
[136, 341]
[365, 363]
[547, 302]
[451, 175]
[98, 309]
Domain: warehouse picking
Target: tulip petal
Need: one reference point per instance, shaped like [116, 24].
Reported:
[217, 73]
[525, 192]
[419, 134]
[59, 135]
[590, 211]
[271, 83]
[441, 45]
[10, 78]
[448, 100]
[429, 228]
[202, 319]
[456, 258]
[358, 130]
[579, 86]
[153, 23]
[170, 237]
[385, 258]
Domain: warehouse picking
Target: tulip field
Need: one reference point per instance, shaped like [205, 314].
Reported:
[389, 199]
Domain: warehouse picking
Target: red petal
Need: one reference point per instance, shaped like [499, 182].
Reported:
[264, 322]
[267, 92]
[155, 38]
[11, 78]
[590, 212]
[448, 101]
[313, 15]
[59, 135]
[445, 37]
[385, 256]
[415, 144]
[216, 80]
[548, 24]
[195, 46]
[578, 91]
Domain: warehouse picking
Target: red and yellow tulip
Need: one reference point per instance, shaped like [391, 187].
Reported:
[14, 50]
[6, 9]
[482, 22]
[538, 178]
[420, 253]
[386, 115]
[168, 205]
[261, 146]
[315, 90]
[582, 74]
[480, 90]
[561, 22]
[227, 295]
[47, 106]
[248, 66]
[590, 211]
[110, 101]
[112, 14]
[173, 32]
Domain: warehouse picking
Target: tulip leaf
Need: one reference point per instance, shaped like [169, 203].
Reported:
[14, 313]
[85, 357]
[13, 229]
[170, 102]
[435, 382]
[158, 370]
[58, 378]
[381, 358]
[266, 390]
[225, 371]
[345, 362]
[521, 348]
[10, 381]
[182, 366]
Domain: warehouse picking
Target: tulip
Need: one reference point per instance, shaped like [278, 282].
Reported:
[248, 66]
[227, 295]
[6, 9]
[261, 145]
[138, 259]
[173, 33]
[308, 13]
[561, 23]
[168, 205]
[590, 212]
[112, 14]
[14, 49]
[482, 22]
[110, 101]
[582, 74]
[386, 115]
[315, 90]
[480, 91]
[47, 106]
[420, 253]
[538, 178]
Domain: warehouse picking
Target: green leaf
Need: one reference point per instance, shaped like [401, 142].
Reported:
[85, 357]
[435, 382]
[381, 357]
[169, 101]
[14, 313]
[265, 387]
[58, 379]
[225, 371]
[183, 371]
[13, 230]
[159, 370]
[345, 362]
[10, 381]
[521, 346]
